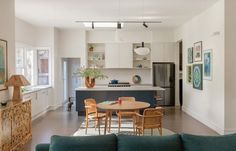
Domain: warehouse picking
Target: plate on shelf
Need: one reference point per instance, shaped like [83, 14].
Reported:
[136, 79]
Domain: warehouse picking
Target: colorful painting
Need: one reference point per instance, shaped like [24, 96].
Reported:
[189, 74]
[3, 64]
[190, 55]
[197, 51]
[207, 73]
[197, 76]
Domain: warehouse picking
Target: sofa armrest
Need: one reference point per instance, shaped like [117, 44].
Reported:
[42, 147]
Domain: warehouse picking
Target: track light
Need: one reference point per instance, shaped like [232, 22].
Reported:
[118, 25]
[92, 25]
[145, 25]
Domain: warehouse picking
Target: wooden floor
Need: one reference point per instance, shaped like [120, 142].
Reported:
[61, 122]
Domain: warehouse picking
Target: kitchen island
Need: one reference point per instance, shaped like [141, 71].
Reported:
[105, 93]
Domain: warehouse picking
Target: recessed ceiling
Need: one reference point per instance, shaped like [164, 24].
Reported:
[64, 13]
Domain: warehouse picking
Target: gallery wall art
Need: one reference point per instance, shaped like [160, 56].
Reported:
[207, 69]
[197, 51]
[189, 74]
[3, 64]
[190, 55]
[197, 76]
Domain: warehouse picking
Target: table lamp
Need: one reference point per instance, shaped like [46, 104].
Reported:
[17, 81]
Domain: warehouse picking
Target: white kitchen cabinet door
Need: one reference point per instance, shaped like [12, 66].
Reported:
[34, 103]
[125, 55]
[112, 55]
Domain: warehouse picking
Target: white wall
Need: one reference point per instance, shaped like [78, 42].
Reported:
[72, 44]
[207, 105]
[7, 32]
[230, 70]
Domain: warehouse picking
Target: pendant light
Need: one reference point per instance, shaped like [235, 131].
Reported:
[143, 51]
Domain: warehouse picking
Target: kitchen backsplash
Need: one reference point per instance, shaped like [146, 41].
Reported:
[126, 75]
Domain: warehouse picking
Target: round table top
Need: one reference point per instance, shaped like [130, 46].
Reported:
[125, 105]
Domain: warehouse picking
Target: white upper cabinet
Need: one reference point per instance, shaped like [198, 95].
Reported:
[125, 55]
[163, 52]
[118, 55]
[112, 55]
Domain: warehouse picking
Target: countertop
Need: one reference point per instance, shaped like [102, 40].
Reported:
[132, 88]
[35, 89]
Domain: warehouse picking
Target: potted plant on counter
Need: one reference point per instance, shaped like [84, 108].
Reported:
[90, 74]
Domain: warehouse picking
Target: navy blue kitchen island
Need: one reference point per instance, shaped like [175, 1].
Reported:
[105, 93]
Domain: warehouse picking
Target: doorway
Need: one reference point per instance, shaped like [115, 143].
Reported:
[70, 80]
[180, 46]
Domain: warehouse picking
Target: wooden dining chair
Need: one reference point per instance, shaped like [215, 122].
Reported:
[92, 113]
[127, 114]
[151, 119]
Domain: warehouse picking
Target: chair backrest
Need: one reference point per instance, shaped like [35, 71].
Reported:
[131, 99]
[160, 109]
[90, 106]
[152, 118]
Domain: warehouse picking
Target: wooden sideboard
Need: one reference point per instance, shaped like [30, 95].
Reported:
[15, 125]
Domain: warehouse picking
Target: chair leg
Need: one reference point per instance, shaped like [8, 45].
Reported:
[134, 123]
[160, 131]
[119, 123]
[86, 126]
[110, 122]
[151, 131]
[99, 126]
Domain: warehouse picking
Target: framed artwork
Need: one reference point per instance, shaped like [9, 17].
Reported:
[207, 69]
[190, 55]
[3, 64]
[197, 76]
[197, 51]
[189, 74]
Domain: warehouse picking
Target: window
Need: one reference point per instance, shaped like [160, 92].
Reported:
[43, 67]
[33, 63]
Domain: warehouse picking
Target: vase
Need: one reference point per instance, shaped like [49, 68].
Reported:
[89, 82]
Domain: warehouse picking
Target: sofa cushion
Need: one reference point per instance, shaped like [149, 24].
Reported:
[149, 143]
[83, 143]
[209, 143]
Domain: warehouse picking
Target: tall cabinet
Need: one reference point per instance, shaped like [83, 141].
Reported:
[118, 55]
[15, 125]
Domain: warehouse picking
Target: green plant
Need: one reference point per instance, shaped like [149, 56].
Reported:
[92, 73]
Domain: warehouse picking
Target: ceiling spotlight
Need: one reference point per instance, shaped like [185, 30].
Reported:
[92, 25]
[145, 25]
[118, 25]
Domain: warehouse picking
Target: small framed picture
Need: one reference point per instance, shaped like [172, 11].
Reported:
[190, 55]
[3, 64]
[197, 51]
[207, 67]
[197, 76]
[189, 74]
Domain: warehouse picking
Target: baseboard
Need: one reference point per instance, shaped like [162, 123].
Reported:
[49, 108]
[204, 121]
[230, 131]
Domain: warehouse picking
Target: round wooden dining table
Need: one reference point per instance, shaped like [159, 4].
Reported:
[110, 106]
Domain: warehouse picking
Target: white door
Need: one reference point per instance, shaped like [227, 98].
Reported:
[65, 80]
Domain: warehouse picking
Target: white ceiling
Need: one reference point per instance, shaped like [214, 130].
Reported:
[64, 13]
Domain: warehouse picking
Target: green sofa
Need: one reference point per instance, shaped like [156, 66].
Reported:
[177, 142]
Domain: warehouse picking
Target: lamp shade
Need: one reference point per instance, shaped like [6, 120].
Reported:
[17, 80]
[142, 51]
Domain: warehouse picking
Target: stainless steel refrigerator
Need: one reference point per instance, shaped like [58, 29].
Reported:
[164, 76]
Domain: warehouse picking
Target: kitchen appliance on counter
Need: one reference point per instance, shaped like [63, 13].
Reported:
[119, 84]
[164, 76]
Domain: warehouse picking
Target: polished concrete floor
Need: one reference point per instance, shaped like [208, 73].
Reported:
[61, 122]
